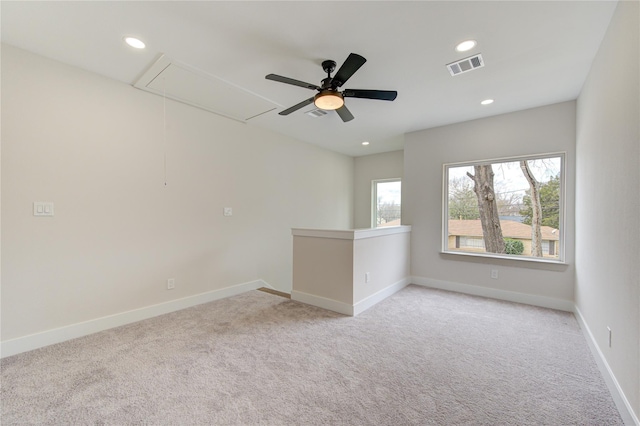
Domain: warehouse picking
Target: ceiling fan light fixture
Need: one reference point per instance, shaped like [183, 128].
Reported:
[328, 100]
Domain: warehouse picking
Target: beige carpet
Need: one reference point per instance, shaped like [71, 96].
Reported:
[421, 357]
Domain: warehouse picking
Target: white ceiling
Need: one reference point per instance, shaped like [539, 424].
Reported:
[535, 52]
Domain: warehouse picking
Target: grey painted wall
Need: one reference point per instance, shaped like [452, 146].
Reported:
[95, 147]
[608, 200]
[534, 131]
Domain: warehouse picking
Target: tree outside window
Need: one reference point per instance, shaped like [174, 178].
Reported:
[513, 205]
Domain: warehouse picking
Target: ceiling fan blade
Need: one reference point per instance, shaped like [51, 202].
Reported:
[344, 113]
[350, 66]
[288, 80]
[296, 107]
[383, 95]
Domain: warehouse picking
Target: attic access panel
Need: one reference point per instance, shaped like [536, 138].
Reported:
[189, 85]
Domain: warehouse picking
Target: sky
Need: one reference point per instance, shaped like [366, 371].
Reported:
[389, 192]
[508, 177]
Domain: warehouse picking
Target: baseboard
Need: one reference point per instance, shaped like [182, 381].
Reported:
[322, 302]
[511, 296]
[345, 308]
[57, 335]
[379, 296]
[620, 399]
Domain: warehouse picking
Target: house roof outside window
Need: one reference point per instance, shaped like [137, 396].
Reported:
[510, 229]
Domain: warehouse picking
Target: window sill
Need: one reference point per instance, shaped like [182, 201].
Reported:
[505, 257]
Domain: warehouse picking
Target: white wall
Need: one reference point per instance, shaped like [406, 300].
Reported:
[540, 130]
[323, 267]
[608, 201]
[368, 168]
[348, 271]
[95, 147]
[386, 260]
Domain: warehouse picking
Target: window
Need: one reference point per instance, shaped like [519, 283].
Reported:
[510, 207]
[386, 202]
[471, 242]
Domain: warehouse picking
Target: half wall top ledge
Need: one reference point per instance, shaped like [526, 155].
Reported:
[183, 83]
[350, 234]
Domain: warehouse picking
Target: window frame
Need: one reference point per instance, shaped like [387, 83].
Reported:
[374, 199]
[562, 210]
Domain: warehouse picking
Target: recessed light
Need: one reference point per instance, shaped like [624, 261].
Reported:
[487, 102]
[365, 143]
[466, 45]
[134, 42]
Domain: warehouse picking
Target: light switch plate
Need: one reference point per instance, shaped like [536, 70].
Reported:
[43, 208]
[227, 211]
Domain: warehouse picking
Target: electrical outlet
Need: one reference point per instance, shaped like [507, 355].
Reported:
[494, 274]
[171, 283]
[366, 277]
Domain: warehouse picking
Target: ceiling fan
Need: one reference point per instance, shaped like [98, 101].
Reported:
[328, 96]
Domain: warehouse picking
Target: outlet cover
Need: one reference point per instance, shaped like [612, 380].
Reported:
[171, 283]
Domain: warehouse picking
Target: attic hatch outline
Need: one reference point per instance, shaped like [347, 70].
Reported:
[184, 83]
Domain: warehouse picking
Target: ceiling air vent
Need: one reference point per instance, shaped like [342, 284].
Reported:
[316, 113]
[466, 64]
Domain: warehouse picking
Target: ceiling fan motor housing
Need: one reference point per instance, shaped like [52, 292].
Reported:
[329, 66]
